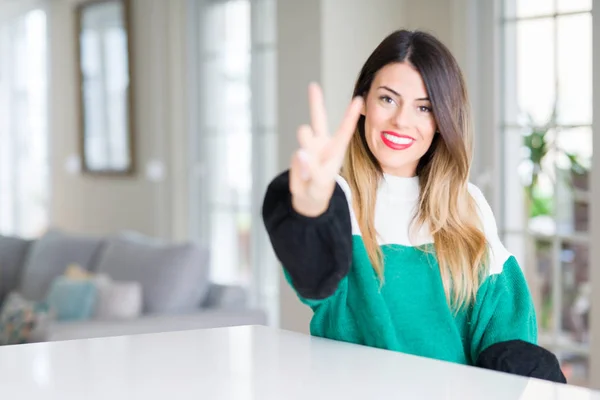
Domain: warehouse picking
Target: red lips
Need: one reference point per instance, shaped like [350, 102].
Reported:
[396, 146]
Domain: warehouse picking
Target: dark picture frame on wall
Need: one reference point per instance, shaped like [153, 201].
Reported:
[105, 90]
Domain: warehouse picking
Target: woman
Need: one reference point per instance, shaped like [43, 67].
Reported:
[399, 251]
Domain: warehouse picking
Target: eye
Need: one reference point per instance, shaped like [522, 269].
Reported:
[425, 109]
[386, 99]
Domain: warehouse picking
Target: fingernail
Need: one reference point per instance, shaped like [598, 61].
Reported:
[303, 156]
[304, 174]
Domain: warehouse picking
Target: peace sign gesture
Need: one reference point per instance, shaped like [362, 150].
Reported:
[316, 164]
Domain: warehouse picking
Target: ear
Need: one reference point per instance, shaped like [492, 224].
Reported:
[363, 110]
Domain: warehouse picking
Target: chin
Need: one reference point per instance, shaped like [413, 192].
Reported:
[397, 165]
[394, 160]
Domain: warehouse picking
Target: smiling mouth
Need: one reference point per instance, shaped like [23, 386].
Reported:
[397, 142]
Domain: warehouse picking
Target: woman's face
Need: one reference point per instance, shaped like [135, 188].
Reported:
[399, 122]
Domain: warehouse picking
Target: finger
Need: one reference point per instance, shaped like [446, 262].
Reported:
[303, 159]
[306, 137]
[347, 127]
[318, 114]
[302, 166]
[297, 176]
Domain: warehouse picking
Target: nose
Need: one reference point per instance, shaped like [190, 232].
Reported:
[403, 116]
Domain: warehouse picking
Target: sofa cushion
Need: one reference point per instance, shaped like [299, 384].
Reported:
[50, 256]
[174, 278]
[115, 300]
[118, 300]
[225, 297]
[73, 299]
[12, 256]
[24, 321]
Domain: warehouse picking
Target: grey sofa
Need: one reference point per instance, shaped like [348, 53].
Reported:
[177, 293]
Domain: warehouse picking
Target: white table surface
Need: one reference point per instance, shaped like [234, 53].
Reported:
[248, 363]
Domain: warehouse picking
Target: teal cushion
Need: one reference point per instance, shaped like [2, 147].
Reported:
[72, 300]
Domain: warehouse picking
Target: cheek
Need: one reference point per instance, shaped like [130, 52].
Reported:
[374, 123]
[427, 129]
[376, 119]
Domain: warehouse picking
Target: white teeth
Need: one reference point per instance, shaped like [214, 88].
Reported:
[397, 140]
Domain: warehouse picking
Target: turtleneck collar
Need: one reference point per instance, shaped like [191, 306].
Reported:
[399, 187]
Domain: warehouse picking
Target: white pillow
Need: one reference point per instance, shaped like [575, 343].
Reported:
[118, 300]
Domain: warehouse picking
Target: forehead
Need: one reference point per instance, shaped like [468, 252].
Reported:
[402, 78]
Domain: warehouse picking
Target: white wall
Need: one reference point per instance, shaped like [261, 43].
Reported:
[351, 29]
[102, 205]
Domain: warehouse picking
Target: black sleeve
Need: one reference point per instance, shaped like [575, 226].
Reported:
[522, 358]
[316, 252]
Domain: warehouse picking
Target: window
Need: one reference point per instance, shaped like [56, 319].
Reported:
[233, 140]
[24, 169]
[547, 156]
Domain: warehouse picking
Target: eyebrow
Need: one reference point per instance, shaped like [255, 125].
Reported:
[399, 95]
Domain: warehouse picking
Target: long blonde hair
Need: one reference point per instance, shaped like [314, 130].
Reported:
[445, 204]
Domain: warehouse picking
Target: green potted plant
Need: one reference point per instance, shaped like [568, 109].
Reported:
[543, 152]
[540, 143]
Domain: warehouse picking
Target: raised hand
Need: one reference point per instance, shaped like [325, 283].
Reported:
[316, 164]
